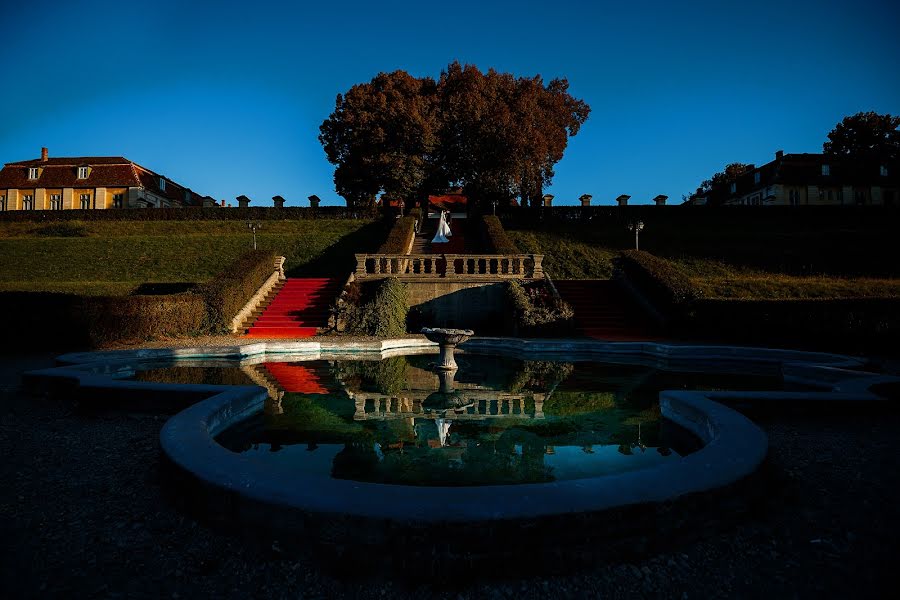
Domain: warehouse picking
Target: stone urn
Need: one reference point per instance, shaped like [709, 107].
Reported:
[447, 339]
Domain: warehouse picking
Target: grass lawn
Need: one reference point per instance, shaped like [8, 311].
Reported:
[578, 253]
[115, 257]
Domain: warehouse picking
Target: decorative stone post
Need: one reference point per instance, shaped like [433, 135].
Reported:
[660, 200]
[314, 201]
[243, 201]
[623, 200]
[585, 199]
[538, 267]
[548, 200]
[447, 339]
[279, 201]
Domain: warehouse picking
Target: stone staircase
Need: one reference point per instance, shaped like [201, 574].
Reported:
[603, 311]
[295, 308]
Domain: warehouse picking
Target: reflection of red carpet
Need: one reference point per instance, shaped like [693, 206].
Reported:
[299, 308]
[296, 378]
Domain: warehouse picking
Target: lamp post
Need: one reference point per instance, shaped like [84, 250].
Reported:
[494, 205]
[636, 227]
[253, 227]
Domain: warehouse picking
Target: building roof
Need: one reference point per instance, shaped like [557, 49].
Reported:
[105, 171]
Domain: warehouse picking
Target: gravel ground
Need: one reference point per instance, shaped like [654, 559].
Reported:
[82, 515]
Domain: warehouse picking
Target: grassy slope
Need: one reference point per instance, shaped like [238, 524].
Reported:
[576, 252]
[115, 257]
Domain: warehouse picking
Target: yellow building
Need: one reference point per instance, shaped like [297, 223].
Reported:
[89, 182]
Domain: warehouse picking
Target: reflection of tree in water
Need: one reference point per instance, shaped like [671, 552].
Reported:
[387, 376]
[540, 375]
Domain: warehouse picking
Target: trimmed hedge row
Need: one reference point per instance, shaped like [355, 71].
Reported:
[138, 318]
[494, 237]
[399, 237]
[536, 311]
[251, 213]
[384, 315]
[228, 292]
[664, 285]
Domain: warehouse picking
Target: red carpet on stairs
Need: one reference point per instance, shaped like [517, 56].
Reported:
[296, 378]
[298, 310]
[602, 311]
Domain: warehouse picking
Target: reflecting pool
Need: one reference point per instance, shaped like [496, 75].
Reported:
[497, 420]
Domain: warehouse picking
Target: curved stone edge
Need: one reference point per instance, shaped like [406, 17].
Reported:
[734, 446]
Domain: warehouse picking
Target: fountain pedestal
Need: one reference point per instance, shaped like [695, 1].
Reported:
[447, 339]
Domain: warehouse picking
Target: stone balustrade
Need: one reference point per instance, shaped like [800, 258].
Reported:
[450, 266]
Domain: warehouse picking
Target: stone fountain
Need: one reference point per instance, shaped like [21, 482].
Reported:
[448, 340]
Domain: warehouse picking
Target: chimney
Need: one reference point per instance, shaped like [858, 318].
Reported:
[548, 199]
[314, 201]
[623, 200]
[44, 155]
[222, 204]
[243, 201]
[585, 199]
[779, 154]
[279, 201]
[661, 200]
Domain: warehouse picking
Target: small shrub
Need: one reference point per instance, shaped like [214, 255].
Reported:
[228, 292]
[384, 315]
[495, 239]
[537, 311]
[399, 237]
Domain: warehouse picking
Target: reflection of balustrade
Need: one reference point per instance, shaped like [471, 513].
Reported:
[482, 406]
[449, 266]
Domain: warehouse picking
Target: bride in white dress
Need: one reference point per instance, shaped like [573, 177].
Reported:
[443, 230]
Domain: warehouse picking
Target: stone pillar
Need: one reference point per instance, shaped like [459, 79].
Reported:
[279, 201]
[585, 199]
[847, 195]
[67, 196]
[314, 201]
[660, 200]
[243, 201]
[623, 200]
[548, 199]
[360, 265]
[538, 267]
[100, 197]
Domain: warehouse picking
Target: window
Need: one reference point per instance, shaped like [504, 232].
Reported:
[28, 202]
[840, 196]
[82, 172]
[826, 170]
[830, 196]
[860, 196]
[162, 184]
[794, 197]
[733, 187]
[85, 201]
[118, 200]
[55, 202]
[821, 195]
[756, 178]
[884, 171]
[32, 173]
[2, 203]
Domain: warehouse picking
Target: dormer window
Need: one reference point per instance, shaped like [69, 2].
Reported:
[162, 184]
[884, 171]
[82, 172]
[756, 178]
[32, 173]
[826, 170]
[733, 187]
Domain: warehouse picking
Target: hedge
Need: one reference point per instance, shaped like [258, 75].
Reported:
[399, 237]
[251, 213]
[663, 284]
[138, 318]
[384, 315]
[536, 311]
[228, 292]
[494, 237]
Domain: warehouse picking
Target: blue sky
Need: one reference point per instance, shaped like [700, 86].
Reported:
[227, 97]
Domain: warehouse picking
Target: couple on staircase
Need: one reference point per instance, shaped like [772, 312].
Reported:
[443, 230]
